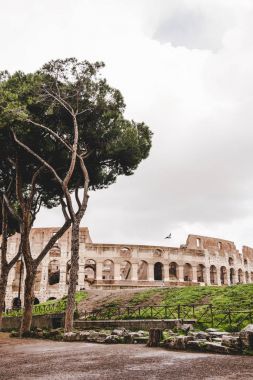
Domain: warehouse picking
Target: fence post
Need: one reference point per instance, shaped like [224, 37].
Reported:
[211, 309]
[179, 311]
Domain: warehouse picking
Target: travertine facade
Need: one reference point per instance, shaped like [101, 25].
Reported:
[202, 260]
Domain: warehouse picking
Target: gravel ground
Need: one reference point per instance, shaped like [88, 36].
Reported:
[37, 359]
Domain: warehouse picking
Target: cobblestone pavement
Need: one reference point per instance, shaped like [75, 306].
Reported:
[38, 359]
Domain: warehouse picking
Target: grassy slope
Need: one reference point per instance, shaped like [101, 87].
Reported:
[238, 297]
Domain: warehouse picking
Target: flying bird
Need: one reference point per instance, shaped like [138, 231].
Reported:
[168, 237]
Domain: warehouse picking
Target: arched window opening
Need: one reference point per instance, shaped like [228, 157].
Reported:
[232, 276]
[36, 301]
[245, 262]
[198, 242]
[125, 270]
[53, 272]
[240, 276]
[108, 270]
[231, 261]
[201, 273]
[219, 245]
[173, 271]
[16, 303]
[223, 275]
[213, 275]
[18, 276]
[187, 272]
[90, 270]
[143, 271]
[158, 271]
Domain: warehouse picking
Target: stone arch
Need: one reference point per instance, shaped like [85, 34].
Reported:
[240, 276]
[187, 272]
[90, 270]
[245, 262]
[201, 273]
[232, 276]
[230, 261]
[223, 275]
[38, 278]
[158, 252]
[198, 243]
[158, 271]
[143, 271]
[173, 271]
[16, 303]
[108, 270]
[125, 270]
[36, 301]
[54, 272]
[213, 275]
[247, 277]
[219, 245]
[51, 298]
[18, 276]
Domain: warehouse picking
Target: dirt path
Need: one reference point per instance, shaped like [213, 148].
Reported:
[47, 360]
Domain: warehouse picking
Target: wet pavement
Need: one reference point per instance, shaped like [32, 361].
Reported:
[41, 359]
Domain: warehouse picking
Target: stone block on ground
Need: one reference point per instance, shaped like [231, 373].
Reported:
[246, 337]
[70, 337]
[231, 341]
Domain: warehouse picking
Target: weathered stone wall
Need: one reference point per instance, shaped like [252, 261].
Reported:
[49, 321]
[202, 260]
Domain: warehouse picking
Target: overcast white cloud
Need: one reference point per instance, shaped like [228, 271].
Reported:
[185, 68]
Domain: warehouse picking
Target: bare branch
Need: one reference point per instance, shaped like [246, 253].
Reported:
[77, 197]
[51, 132]
[11, 209]
[64, 209]
[29, 150]
[15, 258]
[60, 100]
[52, 242]
[33, 184]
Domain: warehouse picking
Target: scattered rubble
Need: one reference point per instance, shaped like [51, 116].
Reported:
[211, 340]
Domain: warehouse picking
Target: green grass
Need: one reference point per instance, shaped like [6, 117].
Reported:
[50, 307]
[234, 298]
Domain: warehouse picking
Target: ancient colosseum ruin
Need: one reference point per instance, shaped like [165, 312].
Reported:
[202, 260]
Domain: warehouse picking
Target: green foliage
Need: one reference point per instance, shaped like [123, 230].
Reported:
[50, 307]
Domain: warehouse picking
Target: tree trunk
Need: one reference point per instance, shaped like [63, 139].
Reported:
[155, 336]
[69, 316]
[3, 285]
[28, 300]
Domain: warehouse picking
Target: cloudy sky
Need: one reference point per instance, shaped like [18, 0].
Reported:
[185, 68]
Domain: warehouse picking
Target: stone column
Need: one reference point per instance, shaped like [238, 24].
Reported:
[81, 276]
[99, 270]
[181, 273]
[218, 276]
[117, 272]
[166, 273]
[134, 272]
[194, 274]
[150, 272]
[207, 276]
